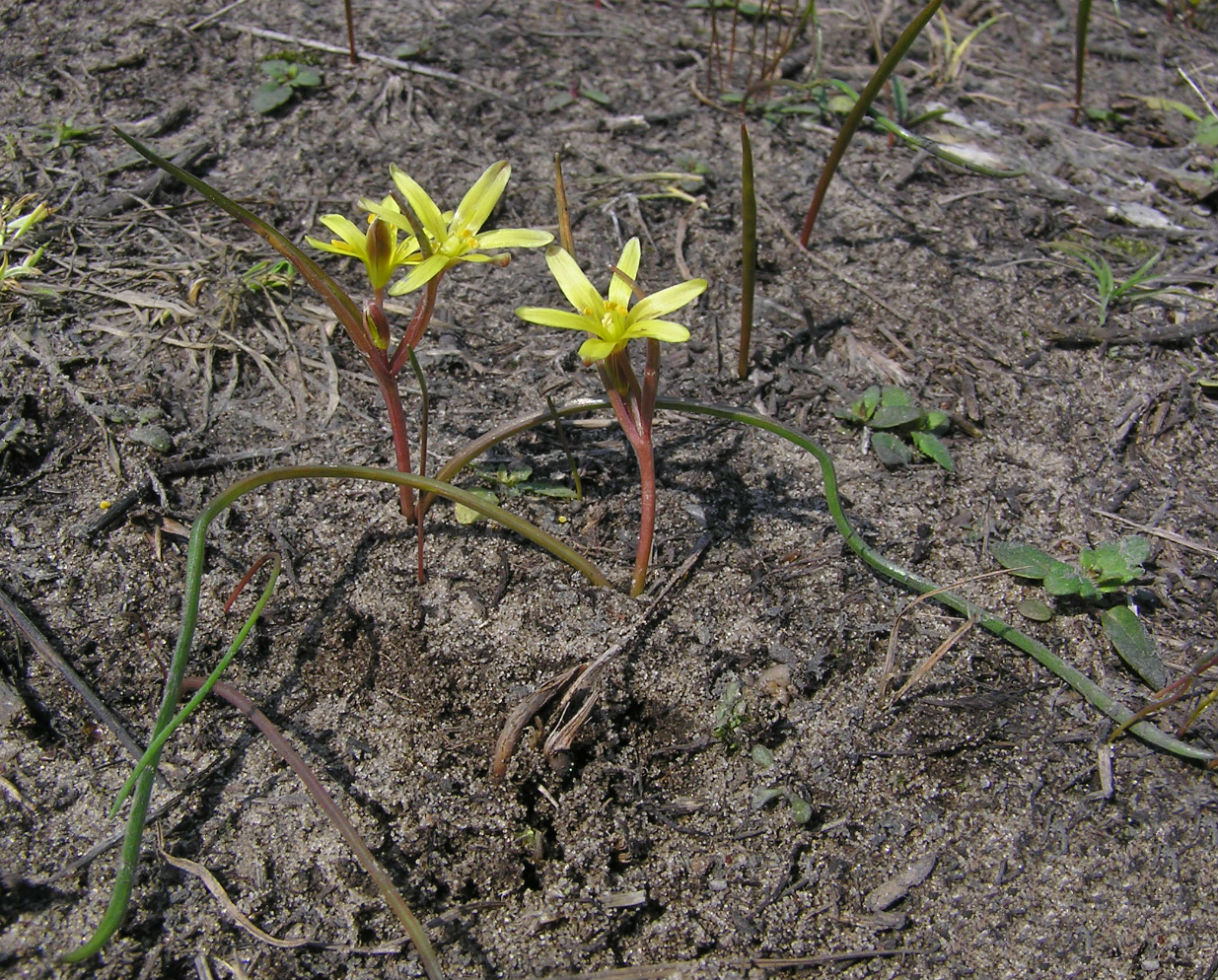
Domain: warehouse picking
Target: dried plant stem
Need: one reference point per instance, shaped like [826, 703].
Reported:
[384, 884]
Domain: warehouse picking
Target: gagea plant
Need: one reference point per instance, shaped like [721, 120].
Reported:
[612, 323]
[408, 246]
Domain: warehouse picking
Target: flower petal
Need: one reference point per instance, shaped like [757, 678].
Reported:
[392, 216]
[665, 330]
[544, 316]
[574, 284]
[668, 300]
[480, 200]
[422, 273]
[337, 247]
[514, 238]
[420, 203]
[344, 228]
[620, 289]
[594, 349]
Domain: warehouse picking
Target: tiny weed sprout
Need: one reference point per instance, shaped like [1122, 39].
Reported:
[895, 427]
[612, 323]
[284, 79]
[17, 218]
[1111, 291]
[506, 481]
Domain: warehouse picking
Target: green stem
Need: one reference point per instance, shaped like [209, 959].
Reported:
[155, 746]
[748, 250]
[196, 552]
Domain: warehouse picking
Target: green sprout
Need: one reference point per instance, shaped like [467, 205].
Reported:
[284, 79]
[729, 717]
[895, 427]
[1102, 572]
[1111, 291]
[612, 323]
[950, 53]
[65, 132]
[268, 274]
[801, 809]
[16, 220]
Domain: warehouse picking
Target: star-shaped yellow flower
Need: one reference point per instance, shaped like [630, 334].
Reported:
[455, 236]
[611, 320]
[379, 249]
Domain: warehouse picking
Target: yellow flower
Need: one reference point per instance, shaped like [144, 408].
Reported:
[455, 236]
[611, 320]
[379, 249]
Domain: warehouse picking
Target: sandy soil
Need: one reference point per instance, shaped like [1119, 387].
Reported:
[741, 801]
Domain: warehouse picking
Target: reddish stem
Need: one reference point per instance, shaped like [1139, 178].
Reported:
[418, 325]
[647, 514]
[386, 380]
[634, 408]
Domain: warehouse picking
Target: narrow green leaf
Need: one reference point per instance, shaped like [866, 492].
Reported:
[548, 490]
[336, 298]
[748, 250]
[1128, 634]
[930, 445]
[851, 124]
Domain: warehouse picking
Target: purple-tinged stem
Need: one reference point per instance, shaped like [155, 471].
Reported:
[386, 380]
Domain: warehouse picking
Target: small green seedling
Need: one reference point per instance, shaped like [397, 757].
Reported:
[284, 79]
[66, 133]
[1102, 572]
[896, 427]
[504, 482]
[16, 219]
[1110, 290]
[268, 274]
[729, 718]
[801, 809]
[948, 53]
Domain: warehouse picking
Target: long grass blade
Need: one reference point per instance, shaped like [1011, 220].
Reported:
[870, 91]
[336, 298]
[748, 250]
